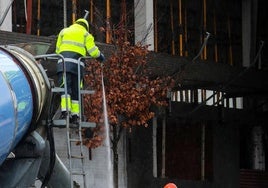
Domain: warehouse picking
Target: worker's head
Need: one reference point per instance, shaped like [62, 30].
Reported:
[83, 22]
[170, 185]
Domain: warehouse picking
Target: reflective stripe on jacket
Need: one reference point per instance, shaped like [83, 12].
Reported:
[76, 39]
[71, 63]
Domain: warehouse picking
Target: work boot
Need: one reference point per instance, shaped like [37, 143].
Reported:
[63, 115]
[74, 119]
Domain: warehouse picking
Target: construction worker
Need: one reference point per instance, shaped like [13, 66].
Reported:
[170, 185]
[72, 43]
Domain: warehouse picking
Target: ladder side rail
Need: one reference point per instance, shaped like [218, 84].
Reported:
[79, 88]
[80, 118]
[54, 56]
[67, 123]
[49, 56]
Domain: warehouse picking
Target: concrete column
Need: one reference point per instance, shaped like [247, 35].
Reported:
[144, 30]
[258, 154]
[5, 15]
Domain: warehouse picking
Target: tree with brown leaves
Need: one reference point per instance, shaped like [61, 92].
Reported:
[130, 93]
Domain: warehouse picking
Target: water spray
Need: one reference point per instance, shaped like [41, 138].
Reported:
[107, 140]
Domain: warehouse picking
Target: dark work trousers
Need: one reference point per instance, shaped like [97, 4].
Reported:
[72, 84]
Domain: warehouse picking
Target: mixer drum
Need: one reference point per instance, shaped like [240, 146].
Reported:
[23, 92]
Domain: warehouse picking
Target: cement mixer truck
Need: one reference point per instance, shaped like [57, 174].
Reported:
[27, 150]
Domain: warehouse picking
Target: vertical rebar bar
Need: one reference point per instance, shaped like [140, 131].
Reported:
[74, 10]
[91, 8]
[108, 20]
[180, 29]
[172, 28]
[185, 31]
[29, 16]
[205, 27]
[124, 18]
[38, 17]
[216, 58]
[230, 40]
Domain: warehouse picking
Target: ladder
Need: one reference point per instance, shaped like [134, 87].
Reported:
[73, 132]
[73, 140]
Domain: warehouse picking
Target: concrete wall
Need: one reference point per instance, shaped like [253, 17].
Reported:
[96, 168]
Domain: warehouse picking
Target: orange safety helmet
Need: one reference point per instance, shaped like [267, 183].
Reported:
[170, 185]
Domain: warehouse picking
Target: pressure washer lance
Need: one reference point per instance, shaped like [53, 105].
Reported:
[86, 14]
[203, 45]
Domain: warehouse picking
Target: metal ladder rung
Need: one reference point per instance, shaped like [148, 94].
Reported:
[78, 173]
[61, 123]
[87, 91]
[75, 140]
[85, 124]
[57, 89]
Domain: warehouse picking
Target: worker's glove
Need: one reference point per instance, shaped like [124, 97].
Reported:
[101, 58]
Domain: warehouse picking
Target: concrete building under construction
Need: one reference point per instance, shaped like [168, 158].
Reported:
[214, 133]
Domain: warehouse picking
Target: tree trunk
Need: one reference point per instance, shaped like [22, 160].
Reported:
[115, 169]
[117, 131]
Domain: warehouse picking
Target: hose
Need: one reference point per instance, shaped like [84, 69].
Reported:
[50, 138]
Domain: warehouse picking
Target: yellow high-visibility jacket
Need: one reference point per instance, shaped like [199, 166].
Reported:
[75, 38]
